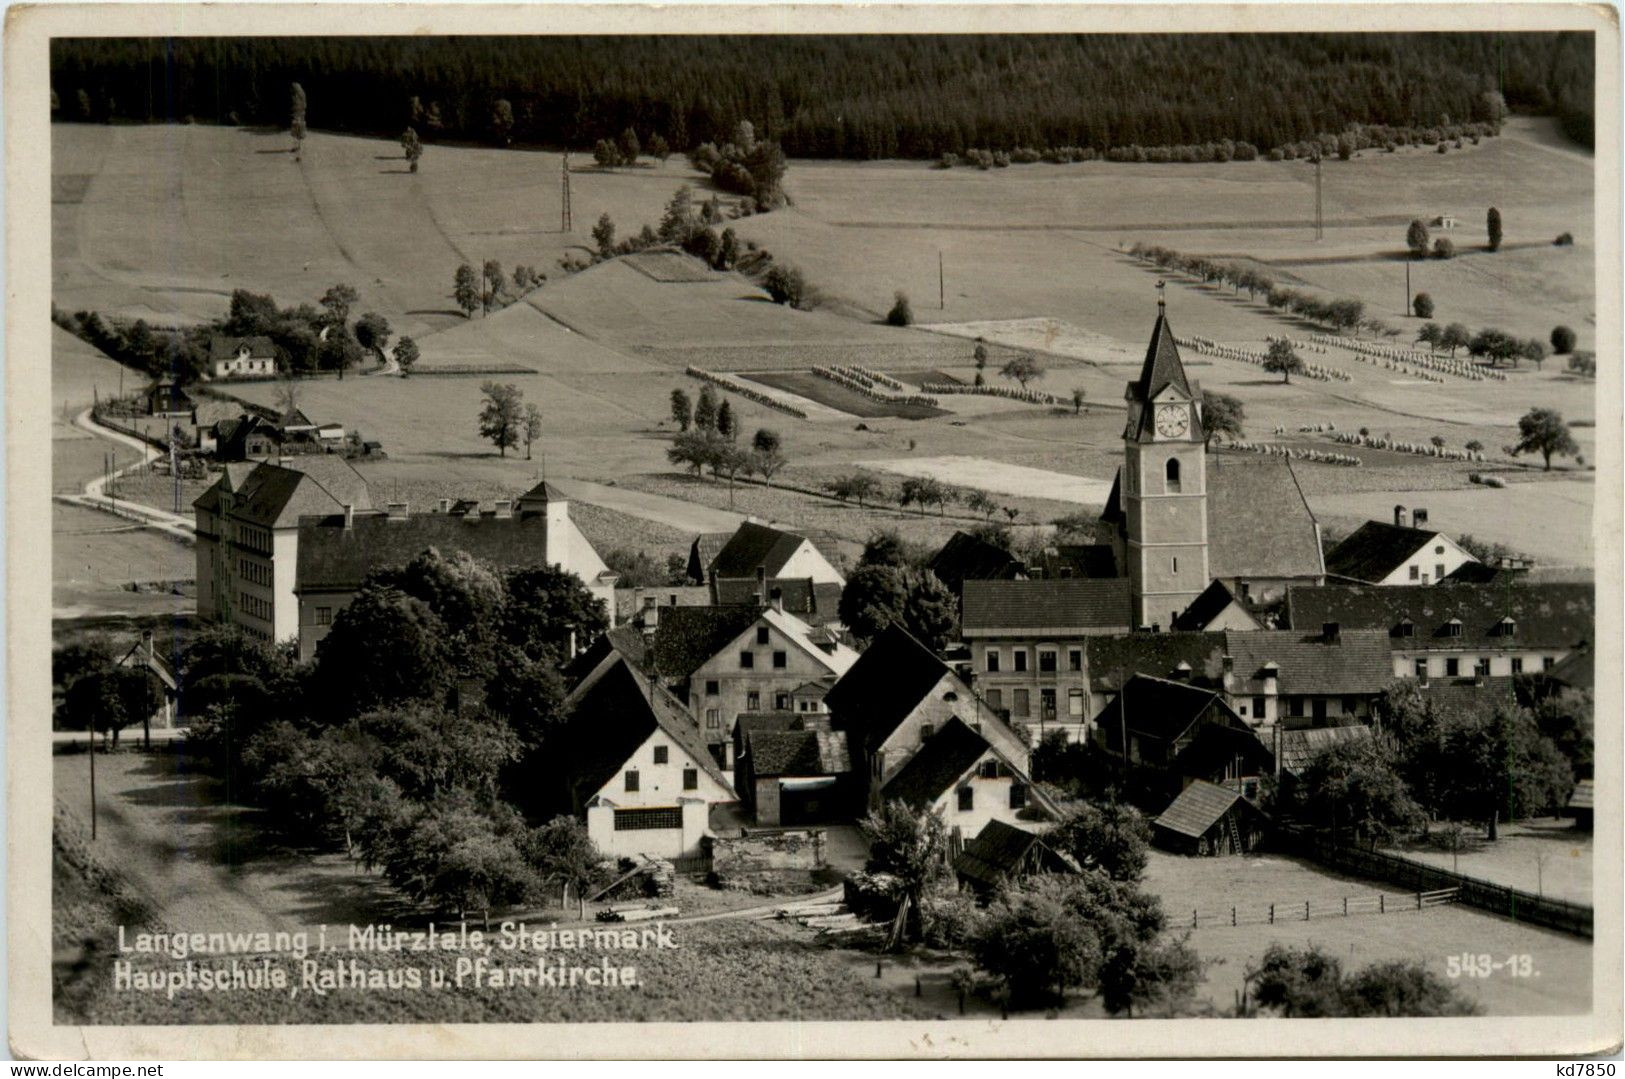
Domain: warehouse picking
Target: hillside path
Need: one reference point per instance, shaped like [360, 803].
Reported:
[683, 516]
[96, 498]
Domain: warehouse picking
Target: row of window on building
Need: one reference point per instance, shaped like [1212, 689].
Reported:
[1048, 660]
[254, 606]
[1454, 666]
[257, 539]
[1021, 702]
[254, 572]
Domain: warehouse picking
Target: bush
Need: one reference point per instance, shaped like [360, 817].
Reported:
[1423, 305]
[1564, 239]
[1443, 248]
[901, 314]
[952, 921]
[1563, 340]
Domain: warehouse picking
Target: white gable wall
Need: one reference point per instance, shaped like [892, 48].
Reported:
[806, 561]
[1437, 558]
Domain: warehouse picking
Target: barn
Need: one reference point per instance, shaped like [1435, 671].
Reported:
[1002, 852]
[1209, 819]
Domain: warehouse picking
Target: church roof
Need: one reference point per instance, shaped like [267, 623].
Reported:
[1162, 366]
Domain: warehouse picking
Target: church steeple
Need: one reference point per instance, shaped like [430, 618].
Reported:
[1162, 366]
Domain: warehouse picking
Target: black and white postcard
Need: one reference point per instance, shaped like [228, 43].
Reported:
[878, 531]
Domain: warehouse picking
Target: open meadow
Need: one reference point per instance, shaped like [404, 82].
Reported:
[1032, 256]
[1213, 885]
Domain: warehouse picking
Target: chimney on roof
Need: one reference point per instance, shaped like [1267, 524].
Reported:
[651, 617]
[444, 505]
[1183, 671]
[349, 516]
[1399, 517]
[1331, 631]
[761, 585]
[504, 509]
[1272, 671]
[1229, 664]
[775, 599]
[1419, 517]
[397, 511]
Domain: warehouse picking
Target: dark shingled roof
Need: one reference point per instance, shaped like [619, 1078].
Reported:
[937, 766]
[225, 348]
[1162, 366]
[797, 753]
[703, 552]
[334, 557]
[1065, 604]
[1375, 550]
[1198, 808]
[1299, 747]
[1213, 601]
[970, 558]
[886, 683]
[688, 636]
[1258, 522]
[815, 603]
[1158, 706]
[1080, 560]
[756, 545]
[615, 715]
[1000, 850]
[1577, 670]
[277, 496]
[1546, 615]
[1358, 662]
[1156, 654]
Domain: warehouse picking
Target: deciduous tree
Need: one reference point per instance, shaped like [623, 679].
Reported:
[1222, 414]
[1542, 431]
[1282, 359]
[502, 416]
[1492, 226]
[1023, 369]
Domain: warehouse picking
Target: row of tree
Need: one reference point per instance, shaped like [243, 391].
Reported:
[481, 290]
[858, 96]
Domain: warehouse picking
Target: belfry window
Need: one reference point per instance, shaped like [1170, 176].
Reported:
[1173, 474]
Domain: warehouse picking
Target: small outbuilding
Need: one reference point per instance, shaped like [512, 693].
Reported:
[1208, 819]
[1581, 803]
[1003, 852]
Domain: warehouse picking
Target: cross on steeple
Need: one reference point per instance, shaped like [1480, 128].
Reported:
[1162, 296]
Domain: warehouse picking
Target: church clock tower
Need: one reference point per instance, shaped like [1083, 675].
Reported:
[1164, 484]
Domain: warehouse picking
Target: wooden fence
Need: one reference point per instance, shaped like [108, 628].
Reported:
[1513, 903]
[1312, 910]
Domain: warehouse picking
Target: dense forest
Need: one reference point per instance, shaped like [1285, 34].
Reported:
[914, 96]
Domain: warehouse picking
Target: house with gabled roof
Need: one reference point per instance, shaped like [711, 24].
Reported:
[1459, 630]
[144, 653]
[336, 551]
[1177, 733]
[1399, 553]
[631, 761]
[247, 527]
[241, 357]
[1027, 640]
[725, 661]
[1003, 853]
[896, 696]
[756, 550]
[958, 773]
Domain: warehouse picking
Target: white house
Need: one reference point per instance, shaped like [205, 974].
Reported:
[633, 763]
[1400, 553]
[238, 357]
[957, 773]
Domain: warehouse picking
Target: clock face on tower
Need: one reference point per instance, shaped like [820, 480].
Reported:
[1172, 420]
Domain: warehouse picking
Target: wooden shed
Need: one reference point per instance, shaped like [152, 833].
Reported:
[1209, 819]
[1002, 852]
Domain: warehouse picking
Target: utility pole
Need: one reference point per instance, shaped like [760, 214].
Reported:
[564, 206]
[942, 294]
[1320, 231]
[92, 725]
[1407, 308]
